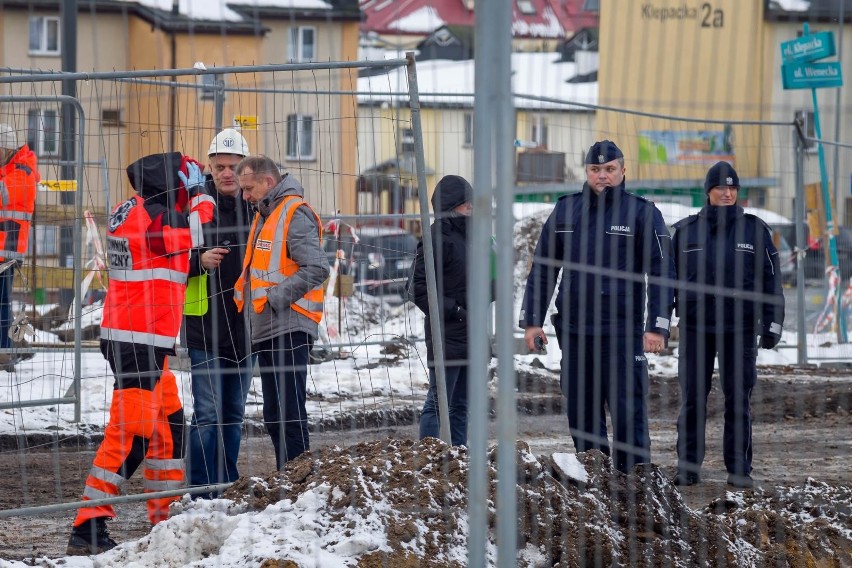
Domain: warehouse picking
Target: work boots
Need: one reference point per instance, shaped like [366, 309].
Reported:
[91, 537]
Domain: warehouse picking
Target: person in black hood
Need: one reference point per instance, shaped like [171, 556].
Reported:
[729, 292]
[218, 345]
[150, 239]
[451, 202]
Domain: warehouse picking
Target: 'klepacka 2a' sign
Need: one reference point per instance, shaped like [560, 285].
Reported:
[799, 70]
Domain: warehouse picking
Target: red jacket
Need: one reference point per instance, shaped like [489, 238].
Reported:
[148, 246]
[18, 181]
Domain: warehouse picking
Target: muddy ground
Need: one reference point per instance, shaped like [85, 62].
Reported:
[802, 430]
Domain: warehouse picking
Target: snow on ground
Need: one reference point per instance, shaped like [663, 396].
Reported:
[399, 502]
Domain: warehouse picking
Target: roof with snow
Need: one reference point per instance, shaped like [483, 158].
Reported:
[544, 19]
[212, 16]
[443, 82]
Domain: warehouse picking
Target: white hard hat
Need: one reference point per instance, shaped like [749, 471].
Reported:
[229, 141]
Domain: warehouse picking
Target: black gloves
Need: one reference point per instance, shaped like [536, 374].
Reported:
[459, 314]
[769, 340]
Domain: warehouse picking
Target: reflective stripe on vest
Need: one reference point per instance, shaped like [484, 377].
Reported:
[146, 274]
[195, 225]
[164, 341]
[278, 266]
[11, 255]
[21, 215]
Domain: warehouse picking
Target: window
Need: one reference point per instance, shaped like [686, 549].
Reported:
[43, 131]
[300, 137]
[806, 118]
[45, 240]
[44, 35]
[209, 84]
[406, 140]
[539, 131]
[468, 129]
[111, 117]
[302, 43]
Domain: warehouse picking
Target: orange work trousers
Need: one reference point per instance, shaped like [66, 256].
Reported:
[144, 426]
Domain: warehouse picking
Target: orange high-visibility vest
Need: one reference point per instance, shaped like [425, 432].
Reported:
[144, 303]
[18, 181]
[266, 262]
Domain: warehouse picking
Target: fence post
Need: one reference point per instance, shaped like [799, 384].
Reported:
[801, 247]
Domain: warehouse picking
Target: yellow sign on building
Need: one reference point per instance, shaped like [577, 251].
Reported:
[246, 122]
[59, 184]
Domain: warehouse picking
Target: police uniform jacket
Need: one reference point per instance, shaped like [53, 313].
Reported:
[603, 245]
[731, 255]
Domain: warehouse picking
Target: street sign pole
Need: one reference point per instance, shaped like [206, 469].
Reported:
[829, 222]
[799, 71]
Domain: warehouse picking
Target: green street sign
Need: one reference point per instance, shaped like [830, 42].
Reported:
[808, 47]
[811, 75]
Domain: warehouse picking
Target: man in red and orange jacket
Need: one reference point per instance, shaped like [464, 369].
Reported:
[149, 240]
[18, 180]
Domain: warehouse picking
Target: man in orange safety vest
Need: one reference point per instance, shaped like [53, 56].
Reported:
[280, 291]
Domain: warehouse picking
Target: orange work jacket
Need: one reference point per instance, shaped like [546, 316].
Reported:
[266, 262]
[18, 181]
[144, 303]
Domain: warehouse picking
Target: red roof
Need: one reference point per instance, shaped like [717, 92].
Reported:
[547, 19]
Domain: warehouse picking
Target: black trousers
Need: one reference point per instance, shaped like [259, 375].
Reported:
[283, 379]
[737, 354]
[606, 371]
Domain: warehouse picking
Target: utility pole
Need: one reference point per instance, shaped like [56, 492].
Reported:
[67, 139]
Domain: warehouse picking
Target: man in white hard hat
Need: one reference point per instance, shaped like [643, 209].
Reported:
[215, 335]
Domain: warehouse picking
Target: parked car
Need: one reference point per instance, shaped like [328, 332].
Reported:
[814, 262]
[378, 258]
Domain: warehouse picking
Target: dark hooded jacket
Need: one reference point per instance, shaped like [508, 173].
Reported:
[222, 329]
[449, 245]
[730, 254]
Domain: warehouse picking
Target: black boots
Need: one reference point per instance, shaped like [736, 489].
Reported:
[740, 480]
[686, 478]
[91, 537]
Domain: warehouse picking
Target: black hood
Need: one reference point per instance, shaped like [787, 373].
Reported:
[451, 192]
[155, 178]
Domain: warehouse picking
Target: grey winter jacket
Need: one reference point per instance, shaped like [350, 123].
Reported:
[304, 248]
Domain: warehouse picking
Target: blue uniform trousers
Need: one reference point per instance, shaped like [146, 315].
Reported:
[738, 370]
[606, 371]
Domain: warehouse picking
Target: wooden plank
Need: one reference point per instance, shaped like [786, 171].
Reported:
[50, 278]
[48, 214]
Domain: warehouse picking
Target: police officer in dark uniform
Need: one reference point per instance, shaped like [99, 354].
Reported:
[729, 292]
[604, 241]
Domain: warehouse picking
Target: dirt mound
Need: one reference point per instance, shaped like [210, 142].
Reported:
[415, 493]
